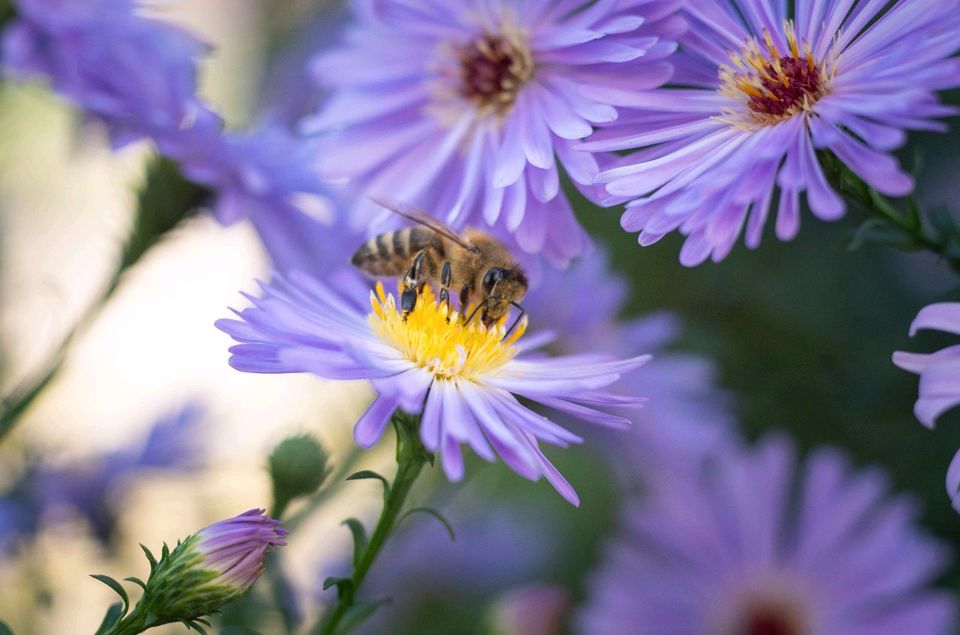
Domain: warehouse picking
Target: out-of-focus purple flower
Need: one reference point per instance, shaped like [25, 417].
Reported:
[468, 109]
[265, 175]
[686, 415]
[48, 493]
[533, 609]
[136, 74]
[845, 77]
[463, 377]
[751, 542]
[939, 377]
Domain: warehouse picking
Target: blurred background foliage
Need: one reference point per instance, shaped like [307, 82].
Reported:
[801, 332]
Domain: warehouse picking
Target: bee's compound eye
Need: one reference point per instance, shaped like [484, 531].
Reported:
[491, 278]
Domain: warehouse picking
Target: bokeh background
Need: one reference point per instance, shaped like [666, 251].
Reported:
[801, 335]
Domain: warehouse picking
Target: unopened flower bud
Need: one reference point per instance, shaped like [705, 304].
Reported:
[204, 572]
[298, 466]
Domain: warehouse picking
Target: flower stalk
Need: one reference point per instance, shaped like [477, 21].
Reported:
[411, 457]
[889, 225]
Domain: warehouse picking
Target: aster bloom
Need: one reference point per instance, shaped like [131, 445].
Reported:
[462, 376]
[759, 90]
[264, 175]
[752, 542]
[135, 74]
[205, 571]
[467, 109]
[939, 377]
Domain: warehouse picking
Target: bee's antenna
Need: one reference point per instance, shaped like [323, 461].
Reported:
[523, 312]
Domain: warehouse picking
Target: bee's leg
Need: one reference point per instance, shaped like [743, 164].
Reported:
[411, 283]
[523, 312]
[446, 275]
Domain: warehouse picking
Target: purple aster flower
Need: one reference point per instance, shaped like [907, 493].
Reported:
[207, 570]
[686, 415]
[264, 175]
[462, 376]
[135, 74]
[533, 609]
[758, 91]
[90, 489]
[939, 377]
[752, 542]
[468, 109]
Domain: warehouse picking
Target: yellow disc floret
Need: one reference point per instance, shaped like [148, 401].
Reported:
[435, 337]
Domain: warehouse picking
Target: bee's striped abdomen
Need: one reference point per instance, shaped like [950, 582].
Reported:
[389, 254]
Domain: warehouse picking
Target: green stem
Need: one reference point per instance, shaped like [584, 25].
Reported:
[908, 222]
[411, 457]
[165, 199]
[135, 622]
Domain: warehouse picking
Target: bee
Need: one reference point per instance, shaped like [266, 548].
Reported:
[430, 252]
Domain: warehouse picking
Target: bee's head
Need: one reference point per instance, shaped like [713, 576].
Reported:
[501, 287]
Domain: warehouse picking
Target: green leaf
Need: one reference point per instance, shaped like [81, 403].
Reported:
[140, 583]
[359, 538]
[192, 625]
[880, 232]
[113, 584]
[114, 614]
[150, 557]
[367, 474]
[435, 514]
[344, 585]
[358, 614]
[944, 222]
[150, 619]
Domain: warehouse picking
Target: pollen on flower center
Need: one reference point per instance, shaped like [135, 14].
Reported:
[493, 68]
[772, 85]
[435, 337]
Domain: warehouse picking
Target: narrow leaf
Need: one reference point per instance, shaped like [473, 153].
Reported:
[110, 619]
[367, 474]
[140, 583]
[359, 538]
[113, 584]
[435, 514]
[150, 557]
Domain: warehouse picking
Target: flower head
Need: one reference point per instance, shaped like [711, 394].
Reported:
[939, 377]
[467, 109]
[208, 569]
[750, 543]
[462, 376]
[760, 90]
[135, 74]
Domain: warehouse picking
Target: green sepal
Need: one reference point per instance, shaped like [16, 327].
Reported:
[140, 583]
[359, 538]
[344, 585]
[150, 557]
[432, 512]
[358, 614]
[368, 474]
[880, 232]
[113, 615]
[113, 584]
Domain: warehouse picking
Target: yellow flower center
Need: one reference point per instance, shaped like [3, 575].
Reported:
[436, 338]
[770, 85]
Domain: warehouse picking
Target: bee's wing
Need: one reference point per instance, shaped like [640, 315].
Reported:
[421, 217]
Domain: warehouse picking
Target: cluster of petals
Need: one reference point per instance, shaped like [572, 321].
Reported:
[299, 324]
[236, 547]
[138, 76]
[758, 93]
[754, 542]
[469, 109]
[939, 377]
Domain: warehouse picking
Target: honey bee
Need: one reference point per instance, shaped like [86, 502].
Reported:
[431, 252]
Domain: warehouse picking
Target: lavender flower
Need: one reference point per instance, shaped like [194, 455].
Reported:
[939, 377]
[845, 77]
[135, 74]
[206, 571]
[753, 543]
[533, 609]
[47, 493]
[463, 377]
[468, 109]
